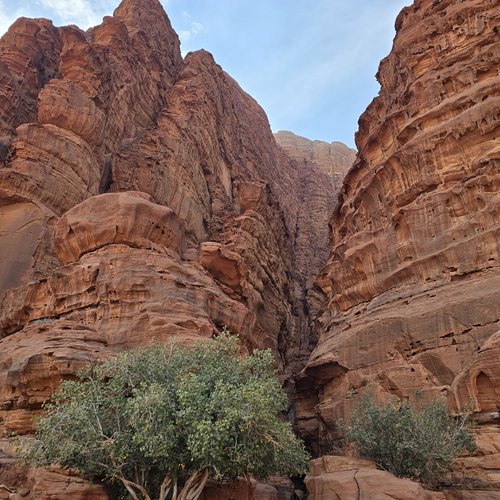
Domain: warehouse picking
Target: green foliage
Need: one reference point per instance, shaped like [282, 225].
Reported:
[419, 444]
[169, 415]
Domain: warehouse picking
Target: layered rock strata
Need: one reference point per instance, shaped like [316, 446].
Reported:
[142, 197]
[334, 160]
[413, 281]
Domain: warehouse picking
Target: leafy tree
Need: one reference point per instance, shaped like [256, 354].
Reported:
[163, 420]
[419, 444]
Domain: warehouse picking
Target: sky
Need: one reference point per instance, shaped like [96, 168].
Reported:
[310, 64]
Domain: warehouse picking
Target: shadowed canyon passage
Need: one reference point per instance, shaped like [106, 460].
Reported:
[143, 197]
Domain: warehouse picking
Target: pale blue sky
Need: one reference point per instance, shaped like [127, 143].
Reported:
[309, 63]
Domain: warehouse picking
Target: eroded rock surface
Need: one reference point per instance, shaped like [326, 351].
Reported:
[345, 478]
[142, 197]
[334, 159]
[413, 282]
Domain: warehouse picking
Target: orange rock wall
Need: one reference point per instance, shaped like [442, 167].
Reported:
[413, 281]
[142, 197]
[334, 160]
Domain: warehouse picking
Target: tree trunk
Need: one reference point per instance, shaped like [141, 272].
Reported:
[130, 488]
[164, 489]
[193, 487]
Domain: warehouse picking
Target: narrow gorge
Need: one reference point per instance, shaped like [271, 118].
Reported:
[144, 197]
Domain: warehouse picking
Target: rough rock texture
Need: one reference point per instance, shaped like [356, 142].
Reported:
[251, 490]
[142, 197]
[18, 482]
[345, 478]
[413, 282]
[334, 159]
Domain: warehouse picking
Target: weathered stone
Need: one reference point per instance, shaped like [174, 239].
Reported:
[334, 159]
[142, 197]
[246, 490]
[29, 57]
[221, 234]
[346, 478]
[58, 484]
[25, 242]
[117, 218]
[63, 104]
[413, 280]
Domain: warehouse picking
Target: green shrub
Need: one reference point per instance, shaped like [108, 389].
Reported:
[166, 417]
[419, 444]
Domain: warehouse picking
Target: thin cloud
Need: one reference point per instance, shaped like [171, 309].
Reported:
[8, 15]
[321, 60]
[195, 28]
[73, 11]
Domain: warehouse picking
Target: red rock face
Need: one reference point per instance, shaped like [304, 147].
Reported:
[142, 197]
[346, 478]
[413, 282]
[334, 159]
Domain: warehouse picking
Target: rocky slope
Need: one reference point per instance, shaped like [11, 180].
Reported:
[335, 158]
[142, 197]
[413, 281]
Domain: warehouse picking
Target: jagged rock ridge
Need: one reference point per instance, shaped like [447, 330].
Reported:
[413, 281]
[142, 196]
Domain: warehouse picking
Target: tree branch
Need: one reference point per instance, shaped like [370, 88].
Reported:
[129, 489]
[128, 484]
[196, 492]
[164, 489]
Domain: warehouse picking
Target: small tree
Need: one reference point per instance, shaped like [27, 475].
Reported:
[419, 444]
[163, 420]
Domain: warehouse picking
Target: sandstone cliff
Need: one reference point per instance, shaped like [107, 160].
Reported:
[335, 158]
[312, 245]
[142, 196]
[413, 281]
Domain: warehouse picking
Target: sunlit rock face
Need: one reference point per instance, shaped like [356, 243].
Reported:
[413, 280]
[143, 197]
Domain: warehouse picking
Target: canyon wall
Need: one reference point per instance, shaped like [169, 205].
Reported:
[317, 201]
[142, 197]
[413, 280]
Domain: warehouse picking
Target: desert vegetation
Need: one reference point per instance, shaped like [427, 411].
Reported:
[418, 443]
[161, 421]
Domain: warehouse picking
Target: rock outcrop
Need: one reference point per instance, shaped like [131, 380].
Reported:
[346, 478]
[334, 159]
[413, 281]
[142, 197]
